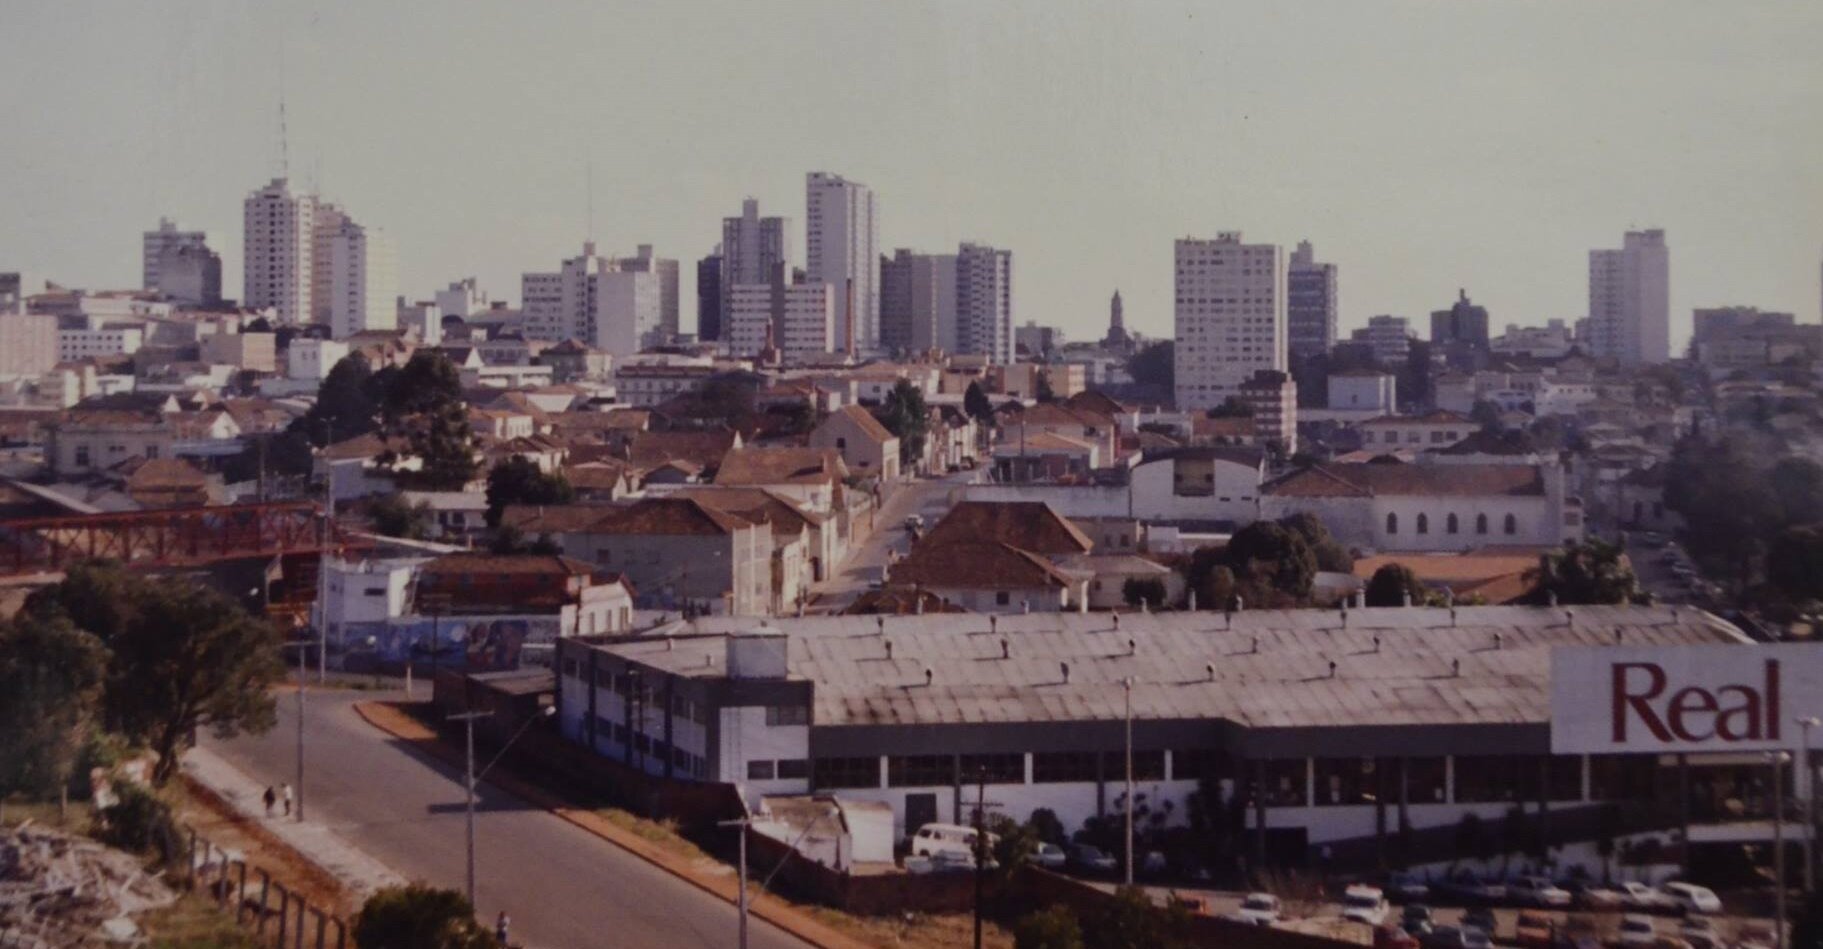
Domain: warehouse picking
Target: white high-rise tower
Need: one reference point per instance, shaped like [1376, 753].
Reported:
[1630, 300]
[984, 302]
[278, 248]
[840, 236]
[362, 268]
[1230, 317]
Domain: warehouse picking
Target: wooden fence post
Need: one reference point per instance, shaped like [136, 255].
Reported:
[341, 935]
[190, 858]
[265, 908]
[322, 924]
[284, 912]
[240, 895]
[303, 917]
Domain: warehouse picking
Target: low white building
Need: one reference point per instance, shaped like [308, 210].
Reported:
[1431, 507]
[1364, 390]
[308, 359]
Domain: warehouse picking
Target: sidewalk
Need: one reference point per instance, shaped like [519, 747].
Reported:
[315, 842]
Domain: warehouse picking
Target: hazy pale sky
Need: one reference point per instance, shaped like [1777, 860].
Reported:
[1422, 146]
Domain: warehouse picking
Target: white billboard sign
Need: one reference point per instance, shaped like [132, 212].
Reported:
[1683, 698]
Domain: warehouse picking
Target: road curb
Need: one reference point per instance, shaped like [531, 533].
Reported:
[387, 717]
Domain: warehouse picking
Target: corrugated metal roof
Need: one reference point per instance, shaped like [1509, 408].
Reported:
[1271, 668]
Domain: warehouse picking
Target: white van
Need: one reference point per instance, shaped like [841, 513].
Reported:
[951, 841]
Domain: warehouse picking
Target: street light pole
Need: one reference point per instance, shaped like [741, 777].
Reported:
[741, 901]
[1778, 848]
[1805, 724]
[471, 776]
[1127, 684]
[303, 649]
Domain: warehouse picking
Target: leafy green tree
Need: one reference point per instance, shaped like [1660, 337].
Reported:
[519, 480]
[1147, 590]
[1331, 555]
[1594, 572]
[1232, 407]
[1794, 562]
[1047, 827]
[345, 406]
[509, 539]
[1209, 577]
[1155, 366]
[428, 383]
[1472, 838]
[1273, 556]
[1052, 928]
[445, 445]
[51, 675]
[1485, 414]
[1045, 393]
[1391, 584]
[182, 656]
[393, 516]
[1128, 921]
[1415, 376]
[419, 917]
[906, 416]
[1725, 492]
[139, 822]
[976, 403]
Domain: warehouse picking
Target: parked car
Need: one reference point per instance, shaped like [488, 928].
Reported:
[1537, 891]
[1754, 936]
[1049, 856]
[1392, 937]
[914, 522]
[1592, 894]
[1464, 888]
[1365, 904]
[1151, 863]
[1406, 888]
[1692, 898]
[1088, 858]
[1454, 937]
[1639, 897]
[948, 840]
[1636, 930]
[1534, 931]
[1260, 909]
[1415, 913]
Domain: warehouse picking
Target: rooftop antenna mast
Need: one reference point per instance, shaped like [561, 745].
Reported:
[284, 139]
[589, 178]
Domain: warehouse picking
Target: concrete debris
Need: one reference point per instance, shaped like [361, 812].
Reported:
[60, 890]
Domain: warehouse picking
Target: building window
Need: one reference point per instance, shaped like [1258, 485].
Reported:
[759, 770]
[1350, 780]
[1392, 523]
[569, 668]
[1450, 524]
[1623, 777]
[1481, 523]
[918, 771]
[1147, 765]
[796, 769]
[1424, 523]
[1512, 524]
[1425, 780]
[847, 772]
[1194, 764]
[1060, 767]
[1002, 597]
[1286, 783]
[995, 769]
[777, 715]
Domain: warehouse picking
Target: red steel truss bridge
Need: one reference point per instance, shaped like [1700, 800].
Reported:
[174, 537]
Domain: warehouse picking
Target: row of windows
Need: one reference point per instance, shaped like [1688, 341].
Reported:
[783, 769]
[1452, 525]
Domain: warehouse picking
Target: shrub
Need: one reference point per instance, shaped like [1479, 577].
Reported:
[140, 822]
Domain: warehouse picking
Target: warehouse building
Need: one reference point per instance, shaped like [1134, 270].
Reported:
[1326, 726]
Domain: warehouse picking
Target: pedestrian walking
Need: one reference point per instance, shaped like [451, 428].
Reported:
[285, 792]
[502, 923]
[271, 798]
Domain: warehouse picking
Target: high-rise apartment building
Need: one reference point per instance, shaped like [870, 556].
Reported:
[326, 224]
[278, 247]
[191, 276]
[984, 302]
[462, 298]
[840, 236]
[1630, 300]
[1310, 304]
[155, 245]
[1389, 338]
[601, 301]
[665, 268]
[361, 266]
[796, 319]
[1230, 317]
[1460, 333]
[709, 297]
[918, 301]
[752, 249]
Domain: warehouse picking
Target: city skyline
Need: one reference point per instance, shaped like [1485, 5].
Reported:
[1087, 173]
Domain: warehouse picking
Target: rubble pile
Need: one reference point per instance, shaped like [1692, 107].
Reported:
[59, 890]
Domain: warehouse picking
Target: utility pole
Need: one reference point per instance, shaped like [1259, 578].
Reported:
[468, 721]
[303, 649]
[741, 902]
[983, 852]
[1127, 684]
[323, 564]
[1778, 847]
[1809, 766]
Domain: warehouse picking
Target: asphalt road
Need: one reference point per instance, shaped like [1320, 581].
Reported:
[563, 887]
[929, 498]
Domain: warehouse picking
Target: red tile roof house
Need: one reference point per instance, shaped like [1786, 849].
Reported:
[998, 557]
[676, 551]
[866, 446]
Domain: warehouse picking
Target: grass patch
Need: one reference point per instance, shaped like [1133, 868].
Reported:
[661, 832]
[194, 922]
[16, 811]
[913, 930]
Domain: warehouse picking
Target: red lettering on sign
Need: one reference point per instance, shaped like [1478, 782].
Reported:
[1693, 714]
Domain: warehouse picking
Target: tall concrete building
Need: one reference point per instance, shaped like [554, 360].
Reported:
[168, 240]
[984, 302]
[709, 297]
[1117, 337]
[361, 267]
[1229, 317]
[752, 249]
[1460, 333]
[1630, 300]
[191, 276]
[840, 235]
[1310, 304]
[918, 301]
[326, 225]
[462, 298]
[278, 248]
[1388, 337]
[665, 268]
[795, 319]
[601, 301]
